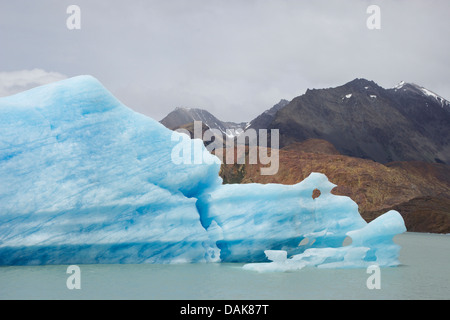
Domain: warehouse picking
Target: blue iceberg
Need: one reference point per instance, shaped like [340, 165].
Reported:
[84, 179]
[371, 245]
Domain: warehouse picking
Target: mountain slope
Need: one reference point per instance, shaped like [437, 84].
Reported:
[264, 119]
[362, 119]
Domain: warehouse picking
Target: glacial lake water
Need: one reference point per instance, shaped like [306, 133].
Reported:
[423, 274]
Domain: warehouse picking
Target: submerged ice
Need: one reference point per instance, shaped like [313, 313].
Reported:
[84, 179]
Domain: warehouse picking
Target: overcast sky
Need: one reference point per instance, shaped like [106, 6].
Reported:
[235, 58]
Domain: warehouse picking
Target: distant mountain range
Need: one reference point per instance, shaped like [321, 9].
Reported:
[360, 118]
[183, 116]
[384, 148]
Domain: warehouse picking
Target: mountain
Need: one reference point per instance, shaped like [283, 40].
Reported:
[360, 118]
[184, 116]
[264, 119]
[364, 120]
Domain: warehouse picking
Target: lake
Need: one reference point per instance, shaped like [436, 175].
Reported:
[423, 274]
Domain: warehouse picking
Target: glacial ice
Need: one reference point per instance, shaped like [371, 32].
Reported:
[84, 179]
[371, 245]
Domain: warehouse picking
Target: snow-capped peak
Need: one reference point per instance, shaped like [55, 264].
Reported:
[421, 90]
[431, 94]
[400, 85]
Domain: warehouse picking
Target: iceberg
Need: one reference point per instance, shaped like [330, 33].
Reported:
[84, 179]
[371, 245]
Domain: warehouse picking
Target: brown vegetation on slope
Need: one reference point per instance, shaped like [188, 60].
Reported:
[419, 191]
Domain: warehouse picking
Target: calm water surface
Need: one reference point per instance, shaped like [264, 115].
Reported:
[424, 274]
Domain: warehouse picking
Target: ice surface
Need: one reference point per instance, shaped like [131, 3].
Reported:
[84, 179]
[256, 217]
[371, 245]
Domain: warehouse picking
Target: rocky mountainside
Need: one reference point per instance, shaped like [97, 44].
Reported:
[407, 187]
[364, 120]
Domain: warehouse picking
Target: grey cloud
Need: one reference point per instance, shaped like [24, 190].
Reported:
[234, 58]
[17, 81]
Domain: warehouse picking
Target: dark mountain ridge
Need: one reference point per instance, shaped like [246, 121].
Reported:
[265, 119]
[364, 120]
